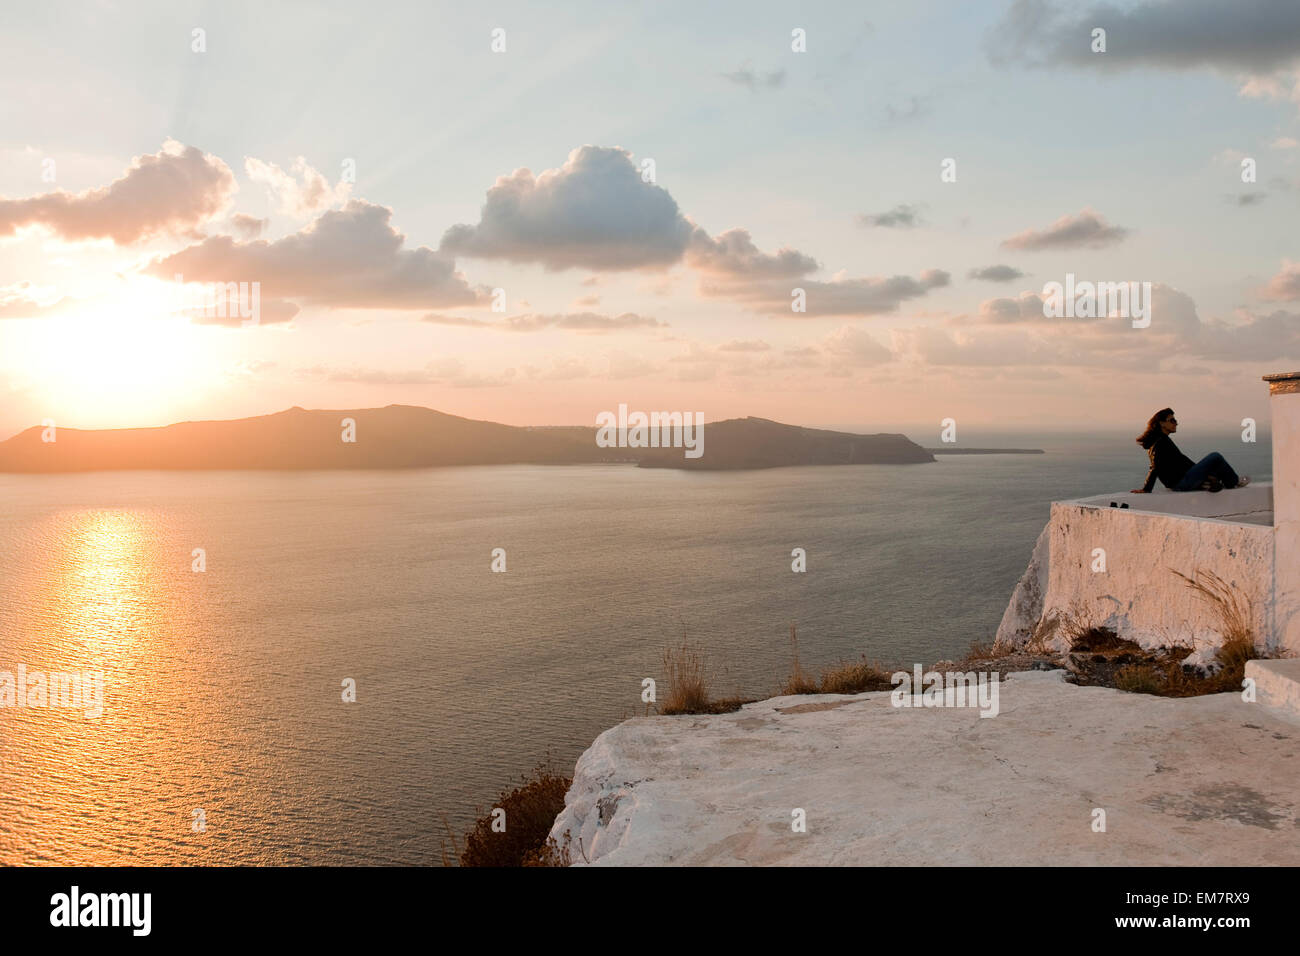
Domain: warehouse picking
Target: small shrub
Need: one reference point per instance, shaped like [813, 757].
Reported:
[552, 853]
[531, 809]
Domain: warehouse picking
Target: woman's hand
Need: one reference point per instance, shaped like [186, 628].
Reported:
[1139, 491]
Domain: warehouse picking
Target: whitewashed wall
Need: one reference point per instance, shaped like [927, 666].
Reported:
[1139, 594]
[1285, 410]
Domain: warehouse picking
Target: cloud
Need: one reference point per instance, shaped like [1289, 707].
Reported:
[595, 212]
[1087, 230]
[851, 345]
[1285, 286]
[754, 81]
[171, 192]
[301, 192]
[902, 216]
[1027, 307]
[917, 106]
[438, 318]
[1285, 142]
[1255, 37]
[1176, 332]
[581, 321]
[449, 371]
[26, 301]
[733, 255]
[837, 297]
[733, 267]
[587, 301]
[757, 358]
[621, 366]
[272, 312]
[1255, 338]
[248, 227]
[348, 258]
[929, 345]
[248, 368]
[1281, 86]
[695, 373]
[745, 345]
[996, 274]
[1172, 311]
[659, 287]
[560, 370]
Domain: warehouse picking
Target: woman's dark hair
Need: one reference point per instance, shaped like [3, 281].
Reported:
[1153, 431]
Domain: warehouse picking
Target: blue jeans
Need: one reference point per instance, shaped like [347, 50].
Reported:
[1212, 465]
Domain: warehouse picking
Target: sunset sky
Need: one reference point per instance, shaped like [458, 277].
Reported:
[126, 157]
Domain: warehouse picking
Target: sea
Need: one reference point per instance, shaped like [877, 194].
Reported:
[224, 736]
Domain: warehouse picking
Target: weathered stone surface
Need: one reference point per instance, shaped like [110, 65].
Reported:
[1208, 780]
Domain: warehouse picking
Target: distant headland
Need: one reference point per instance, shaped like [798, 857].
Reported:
[985, 451]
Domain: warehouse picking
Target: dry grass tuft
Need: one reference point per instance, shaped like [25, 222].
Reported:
[1229, 606]
[1083, 634]
[980, 651]
[854, 678]
[688, 687]
[1140, 679]
[688, 684]
[1238, 644]
[1039, 642]
[798, 682]
[1164, 674]
[846, 677]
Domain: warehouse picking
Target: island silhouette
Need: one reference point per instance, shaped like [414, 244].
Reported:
[408, 436]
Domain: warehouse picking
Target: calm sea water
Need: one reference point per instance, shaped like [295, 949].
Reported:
[223, 688]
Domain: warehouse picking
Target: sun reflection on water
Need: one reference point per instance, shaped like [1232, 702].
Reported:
[96, 604]
[105, 601]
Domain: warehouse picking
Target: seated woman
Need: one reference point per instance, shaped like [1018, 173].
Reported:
[1174, 469]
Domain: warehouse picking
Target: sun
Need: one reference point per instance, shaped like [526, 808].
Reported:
[116, 362]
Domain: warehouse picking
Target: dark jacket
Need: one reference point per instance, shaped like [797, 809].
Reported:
[1167, 463]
